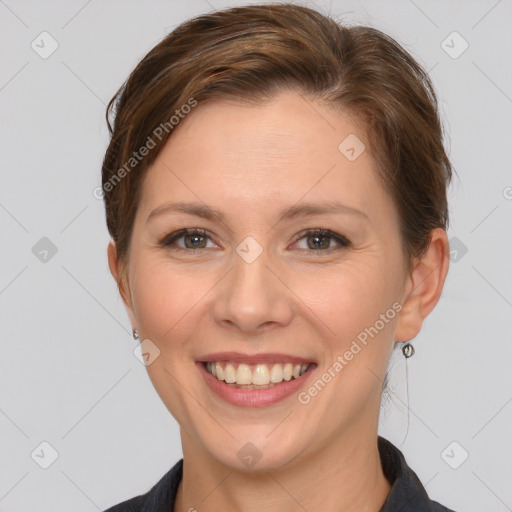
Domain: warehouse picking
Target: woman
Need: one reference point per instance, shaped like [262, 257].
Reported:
[275, 189]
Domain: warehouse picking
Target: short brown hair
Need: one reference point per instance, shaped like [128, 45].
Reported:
[249, 54]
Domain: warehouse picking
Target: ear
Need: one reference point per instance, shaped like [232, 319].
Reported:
[423, 286]
[121, 279]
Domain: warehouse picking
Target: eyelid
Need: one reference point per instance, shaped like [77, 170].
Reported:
[323, 232]
[342, 241]
[170, 238]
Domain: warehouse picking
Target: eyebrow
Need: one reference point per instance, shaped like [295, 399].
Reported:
[298, 210]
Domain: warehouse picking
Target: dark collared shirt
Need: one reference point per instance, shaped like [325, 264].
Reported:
[407, 493]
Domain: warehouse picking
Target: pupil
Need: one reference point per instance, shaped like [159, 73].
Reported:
[316, 238]
[314, 245]
[195, 238]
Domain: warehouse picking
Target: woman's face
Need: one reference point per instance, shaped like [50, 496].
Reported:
[254, 283]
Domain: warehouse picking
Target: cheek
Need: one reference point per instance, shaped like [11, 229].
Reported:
[348, 297]
[352, 309]
[167, 303]
[166, 299]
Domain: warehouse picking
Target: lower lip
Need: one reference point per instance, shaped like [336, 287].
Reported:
[254, 397]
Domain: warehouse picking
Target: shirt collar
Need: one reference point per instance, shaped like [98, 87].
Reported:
[406, 489]
[407, 492]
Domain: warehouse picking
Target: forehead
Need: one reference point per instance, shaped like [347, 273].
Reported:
[258, 156]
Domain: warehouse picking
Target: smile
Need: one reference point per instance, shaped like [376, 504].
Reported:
[255, 376]
[254, 381]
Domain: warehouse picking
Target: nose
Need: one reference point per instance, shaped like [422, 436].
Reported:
[253, 296]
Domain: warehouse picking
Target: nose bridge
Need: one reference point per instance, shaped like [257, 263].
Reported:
[252, 294]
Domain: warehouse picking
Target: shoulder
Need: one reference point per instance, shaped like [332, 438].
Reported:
[437, 507]
[159, 498]
[407, 492]
[131, 505]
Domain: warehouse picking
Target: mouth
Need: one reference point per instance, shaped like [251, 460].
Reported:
[255, 376]
[255, 381]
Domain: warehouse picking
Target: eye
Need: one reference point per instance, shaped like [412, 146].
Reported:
[320, 240]
[194, 239]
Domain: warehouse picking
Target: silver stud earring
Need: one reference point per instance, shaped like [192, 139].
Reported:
[408, 350]
[135, 334]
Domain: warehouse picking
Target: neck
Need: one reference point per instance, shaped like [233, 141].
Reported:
[346, 476]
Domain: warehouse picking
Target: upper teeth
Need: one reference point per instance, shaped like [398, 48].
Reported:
[261, 375]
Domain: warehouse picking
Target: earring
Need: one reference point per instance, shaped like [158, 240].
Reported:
[135, 334]
[408, 350]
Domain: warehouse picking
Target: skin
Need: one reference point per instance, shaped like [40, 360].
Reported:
[251, 162]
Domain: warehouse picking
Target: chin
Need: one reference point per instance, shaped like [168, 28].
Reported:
[253, 450]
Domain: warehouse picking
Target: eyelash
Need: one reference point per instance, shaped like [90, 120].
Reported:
[169, 240]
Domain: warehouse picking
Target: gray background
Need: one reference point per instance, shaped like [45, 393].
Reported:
[68, 374]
